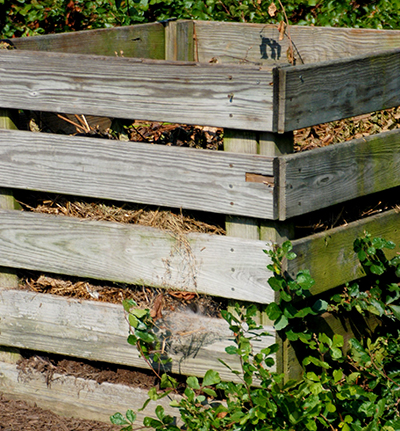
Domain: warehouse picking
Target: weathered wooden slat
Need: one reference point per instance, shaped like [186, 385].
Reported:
[136, 172]
[184, 92]
[98, 331]
[326, 176]
[215, 265]
[141, 40]
[243, 43]
[329, 255]
[76, 397]
[328, 91]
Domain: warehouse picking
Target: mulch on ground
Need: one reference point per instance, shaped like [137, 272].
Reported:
[17, 415]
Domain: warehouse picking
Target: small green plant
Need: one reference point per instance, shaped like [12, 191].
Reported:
[353, 388]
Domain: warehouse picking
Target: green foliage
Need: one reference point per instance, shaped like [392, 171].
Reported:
[29, 17]
[353, 390]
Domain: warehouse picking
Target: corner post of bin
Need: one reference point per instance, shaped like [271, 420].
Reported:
[8, 277]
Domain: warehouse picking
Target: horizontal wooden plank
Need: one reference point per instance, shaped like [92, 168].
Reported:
[329, 255]
[136, 172]
[76, 397]
[326, 176]
[215, 265]
[141, 40]
[98, 331]
[180, 92]
[328, 91]
[243, 43]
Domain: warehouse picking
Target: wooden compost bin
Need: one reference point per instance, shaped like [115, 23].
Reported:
[234, 76]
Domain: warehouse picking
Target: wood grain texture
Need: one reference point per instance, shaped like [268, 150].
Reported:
[179, 43]
[181, 92]
[98, 331]
[215, 265]
[203, 180]
[259, 43]
[140, 40]
[338, 173]
[322, 92]
[76, 397]
[329, 255]
[8, 277]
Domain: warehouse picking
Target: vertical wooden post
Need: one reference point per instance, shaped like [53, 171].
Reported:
[268, 144]
[8, 277]
[179, 41]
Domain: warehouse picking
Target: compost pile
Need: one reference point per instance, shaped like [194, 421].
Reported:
[346, 130]
[182, 222]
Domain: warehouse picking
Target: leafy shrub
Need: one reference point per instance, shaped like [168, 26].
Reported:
[358, 389]
[29, 17]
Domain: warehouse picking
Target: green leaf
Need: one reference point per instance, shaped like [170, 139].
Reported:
[139, 313]
[133, 321]
[145, 336]
[320, 306]
[130, 415]
[118, 419]
[193, 382]
[291, 256]
[128, 304]
[395, 310]
[160, 413]
[211, 378]
[281, 323]
[285, 296]
[287, 246]
[168, 382]
[152, 423]
[377, 269]
[337, 375]
[132, 339]
[231, 350]
[304, 279]
[209, 392]
[338, 340]
[273, 311]
[276, 283]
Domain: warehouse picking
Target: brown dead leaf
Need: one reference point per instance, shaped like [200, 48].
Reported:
[281, 29]
[186, 296]
[272, 9]
[156, 311]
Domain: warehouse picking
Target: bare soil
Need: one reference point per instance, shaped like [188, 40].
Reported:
[17, 415]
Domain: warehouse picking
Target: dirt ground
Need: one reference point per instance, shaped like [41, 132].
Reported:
[17, 415]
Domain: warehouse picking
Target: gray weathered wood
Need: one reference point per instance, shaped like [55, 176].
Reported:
[244, 43]
[326, 176]
[328, 91]
[141, 40]
[329, 255]
[179, 43]
[183, 92]
[8, 277]
[203, 180]
[98, 331]
[215, 265]
[76, 397]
